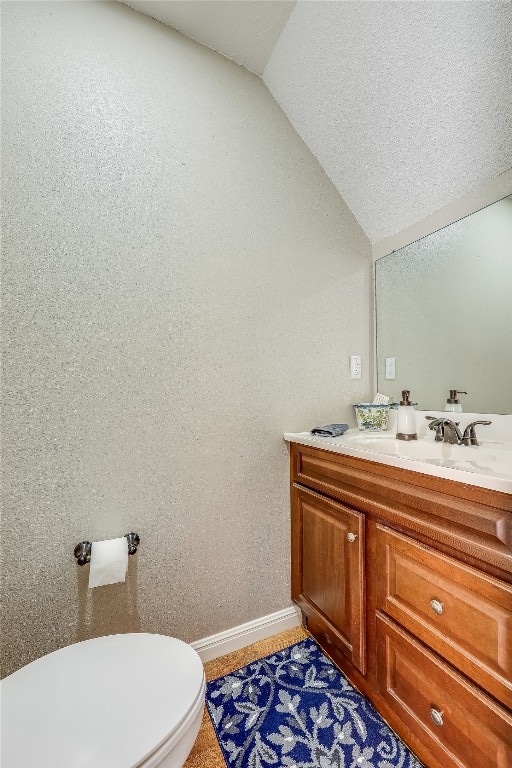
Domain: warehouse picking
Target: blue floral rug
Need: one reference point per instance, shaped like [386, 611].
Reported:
[295, 709]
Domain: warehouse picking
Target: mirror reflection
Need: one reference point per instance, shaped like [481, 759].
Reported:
[444, 314]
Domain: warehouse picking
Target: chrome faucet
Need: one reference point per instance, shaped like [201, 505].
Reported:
[448, 431]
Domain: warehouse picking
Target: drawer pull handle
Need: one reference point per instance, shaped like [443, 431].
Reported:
[351, 537]
[436, 716]
[436, 606]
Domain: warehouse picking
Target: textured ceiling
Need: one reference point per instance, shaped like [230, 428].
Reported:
[243, 30]
[407, 105]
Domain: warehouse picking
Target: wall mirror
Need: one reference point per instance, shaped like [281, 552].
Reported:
[444, 313]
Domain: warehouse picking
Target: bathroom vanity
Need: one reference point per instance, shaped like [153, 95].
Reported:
[404, 577]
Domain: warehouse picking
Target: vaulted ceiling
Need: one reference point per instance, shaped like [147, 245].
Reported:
[407, 106]
[245, 31]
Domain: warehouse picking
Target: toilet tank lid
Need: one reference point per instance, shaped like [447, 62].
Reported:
[109, 702]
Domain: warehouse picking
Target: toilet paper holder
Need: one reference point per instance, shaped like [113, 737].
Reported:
[82, 551]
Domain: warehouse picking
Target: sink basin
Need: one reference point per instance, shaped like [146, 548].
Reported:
[491, 457]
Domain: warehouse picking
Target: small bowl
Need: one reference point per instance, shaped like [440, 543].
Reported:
[372, 416]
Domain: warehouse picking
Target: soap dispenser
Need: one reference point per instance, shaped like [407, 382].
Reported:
[453, 404]
[406, 419]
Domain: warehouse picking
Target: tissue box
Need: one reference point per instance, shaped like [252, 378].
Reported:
[371, 416]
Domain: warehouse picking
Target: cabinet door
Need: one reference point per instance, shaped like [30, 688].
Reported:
[328, 568]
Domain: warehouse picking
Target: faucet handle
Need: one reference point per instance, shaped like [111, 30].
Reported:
[469, 437]
[437, 424]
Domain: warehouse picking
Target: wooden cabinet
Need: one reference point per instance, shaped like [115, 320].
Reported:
[328, 577]
[457, 722]
[405, 580]
[461, 613]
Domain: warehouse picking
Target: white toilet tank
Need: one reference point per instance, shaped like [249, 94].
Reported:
[121, 701]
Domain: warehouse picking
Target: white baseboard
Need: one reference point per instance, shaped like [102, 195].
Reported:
[233, 639]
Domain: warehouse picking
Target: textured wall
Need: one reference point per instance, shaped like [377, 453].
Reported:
[182, 283]
[243, 30]
[407, 106]
[485, 194]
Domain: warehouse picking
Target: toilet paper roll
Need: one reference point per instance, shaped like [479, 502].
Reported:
[109, 562]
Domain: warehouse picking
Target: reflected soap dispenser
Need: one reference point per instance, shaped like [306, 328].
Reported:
[406, 419]
[453, 404]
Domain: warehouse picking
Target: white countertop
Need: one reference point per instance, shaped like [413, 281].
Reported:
[488, 465]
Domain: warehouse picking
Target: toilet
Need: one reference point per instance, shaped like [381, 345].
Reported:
[121, 701]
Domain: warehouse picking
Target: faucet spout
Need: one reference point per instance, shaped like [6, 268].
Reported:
[448, 429]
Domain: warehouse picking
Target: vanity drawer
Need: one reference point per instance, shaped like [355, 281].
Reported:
[463, 614]
[462, 727]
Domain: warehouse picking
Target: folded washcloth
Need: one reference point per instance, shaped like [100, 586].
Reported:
[330, 430]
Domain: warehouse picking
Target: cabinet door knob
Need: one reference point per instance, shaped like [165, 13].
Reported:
[436, 606]
[351, 537]
[436, 716]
